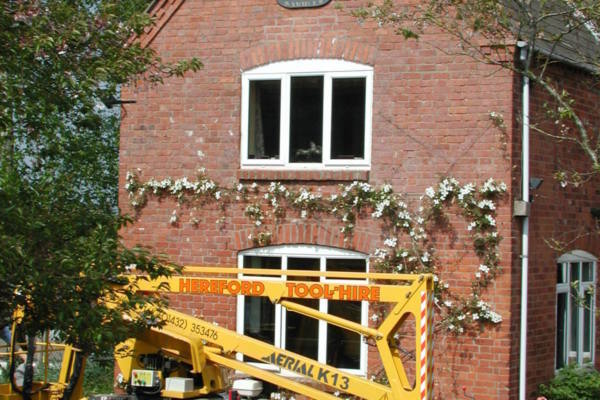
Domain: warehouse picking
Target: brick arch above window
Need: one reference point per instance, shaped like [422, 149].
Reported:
[332, 48]
[308, 234]
[577, 255]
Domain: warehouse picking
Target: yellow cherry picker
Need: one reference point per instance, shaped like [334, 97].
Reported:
[186, 357]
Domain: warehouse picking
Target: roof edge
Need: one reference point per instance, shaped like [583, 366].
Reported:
[161, 11]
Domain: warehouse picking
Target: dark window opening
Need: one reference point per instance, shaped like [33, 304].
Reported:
[343, 346]
[301, 332]
[306, 119]
[348, 118]
[561, 323]
[264, 119]
[346, 265]
[259, 312]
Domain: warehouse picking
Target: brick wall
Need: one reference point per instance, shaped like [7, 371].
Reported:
[430, 120]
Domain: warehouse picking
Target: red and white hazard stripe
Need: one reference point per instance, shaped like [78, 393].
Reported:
[426, 346]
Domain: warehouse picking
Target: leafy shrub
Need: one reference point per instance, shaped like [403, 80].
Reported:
[573, 383]
[99, 376]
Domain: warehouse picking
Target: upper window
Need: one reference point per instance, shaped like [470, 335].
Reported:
[259, 318]
[575, 308]
[307, 114]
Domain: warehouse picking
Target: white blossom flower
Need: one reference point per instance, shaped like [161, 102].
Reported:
[430, 192]
[466, 190]
[380, 253]
[484, 268]
[494, 317]
[374, 317]
[173, 219]
[475, 316]
[477, 275]
[390, 242]
[483, 204]
[448, 303]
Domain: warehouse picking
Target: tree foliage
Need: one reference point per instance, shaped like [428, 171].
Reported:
[59, 221]
[552, 31]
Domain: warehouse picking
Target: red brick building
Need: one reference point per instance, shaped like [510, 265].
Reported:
[417, 114]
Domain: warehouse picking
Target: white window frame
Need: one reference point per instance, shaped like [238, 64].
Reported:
[577, 256]
[284, 71]
[305, 251]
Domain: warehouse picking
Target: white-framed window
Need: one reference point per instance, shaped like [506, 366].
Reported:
[307, 114]
[257, 317]
[575, 308]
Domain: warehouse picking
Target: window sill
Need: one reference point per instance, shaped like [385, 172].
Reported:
[301, 175]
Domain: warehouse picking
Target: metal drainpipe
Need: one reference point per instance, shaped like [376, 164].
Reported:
[525, 233]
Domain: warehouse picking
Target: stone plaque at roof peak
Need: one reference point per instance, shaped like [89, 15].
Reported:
[302, 3]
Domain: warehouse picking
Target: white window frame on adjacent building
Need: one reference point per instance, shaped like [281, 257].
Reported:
[575, 317]
[284, 71]
[304, 251]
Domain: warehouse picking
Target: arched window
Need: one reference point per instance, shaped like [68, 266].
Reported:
[257, 317]
[307, 114]
[575, 308]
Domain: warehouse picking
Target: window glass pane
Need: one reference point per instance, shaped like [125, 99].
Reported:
[348, 118]
[574, 272]
[264, 119]
[561, 327]
[346, 265]
[560, 273]
[259, 318]
[261, 262]
[574, 321]
[301, 332]
[587, 324]
[259, 312]
[343, 346]
[587, 274]
[306, 119]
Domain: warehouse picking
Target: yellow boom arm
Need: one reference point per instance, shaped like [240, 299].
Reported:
[205, 345]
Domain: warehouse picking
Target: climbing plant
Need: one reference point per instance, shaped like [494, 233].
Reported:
[406, 245]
